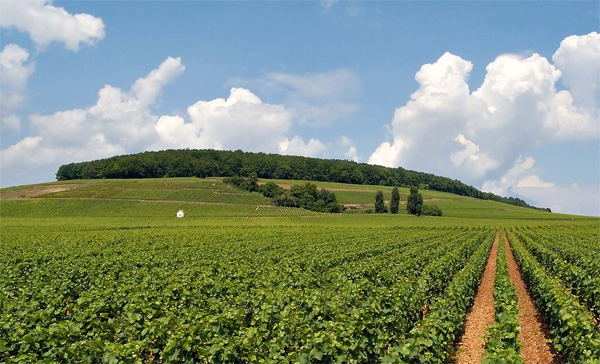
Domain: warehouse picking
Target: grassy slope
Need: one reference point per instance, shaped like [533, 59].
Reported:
[153, 202]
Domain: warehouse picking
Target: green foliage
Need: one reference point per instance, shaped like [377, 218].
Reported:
[432, 339]
[213, 163]
[234, 294]
[395, 201]
[431, 210]
[271, 189]
[584, 283]
[249, 184]
[379, 203]
[414, 205]
[573, 332]
[502, 341]
[310, 198]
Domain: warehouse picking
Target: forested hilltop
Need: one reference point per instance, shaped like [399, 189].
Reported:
[221, 163]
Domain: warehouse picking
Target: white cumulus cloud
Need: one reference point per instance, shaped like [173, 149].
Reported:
[297, 146]
[578, 200]
[347, 144]
[118, 117]
[46, 23]
[475, 162]
[14, 71]
[425, 128]
[578, 60]
[313, 98]
[119, 122]
[519, 176]
[446, 129]
[522, 181]
[242, 121]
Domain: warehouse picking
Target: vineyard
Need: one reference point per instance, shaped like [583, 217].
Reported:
[104, 273]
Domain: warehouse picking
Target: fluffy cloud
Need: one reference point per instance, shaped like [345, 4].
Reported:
[521, 180]
[46, 23]
[119, 118]
[297, 146]
[425, 129]
[447, 129]
[577, 59]
[578, 200]
[314, 98]
[119, 122]
[475, 162]
[15, 72]
[242, 121]
[521, 175]
[347, 144]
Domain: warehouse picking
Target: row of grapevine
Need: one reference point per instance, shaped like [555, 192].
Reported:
[227, 295]
[432, 339]
[579, 246]
[573, 332]
[585, 286]
[502, 342]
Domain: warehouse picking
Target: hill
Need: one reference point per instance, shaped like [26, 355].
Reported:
[214, 163]
[156, 200]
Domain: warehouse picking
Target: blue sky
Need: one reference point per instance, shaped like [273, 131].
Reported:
[501, 95]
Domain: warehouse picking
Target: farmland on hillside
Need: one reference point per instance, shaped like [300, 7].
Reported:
[102, 271]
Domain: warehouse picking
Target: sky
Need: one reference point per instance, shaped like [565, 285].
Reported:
[502, 95]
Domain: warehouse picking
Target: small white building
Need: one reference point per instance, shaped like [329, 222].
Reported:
[180, 214]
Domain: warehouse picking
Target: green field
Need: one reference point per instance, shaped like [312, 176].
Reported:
[102, 271]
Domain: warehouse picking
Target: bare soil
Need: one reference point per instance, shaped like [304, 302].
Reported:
[472, 345]
[36, 191]
[533, 334]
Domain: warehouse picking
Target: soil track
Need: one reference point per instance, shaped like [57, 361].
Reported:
[471, 347]
[36, 191]
[533, 333]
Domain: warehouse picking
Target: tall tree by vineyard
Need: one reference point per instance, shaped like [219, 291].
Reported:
[395, 201]
[414, 205]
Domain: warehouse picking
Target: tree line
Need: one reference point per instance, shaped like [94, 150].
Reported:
[306, 196]
[220, 163]
[414, 204]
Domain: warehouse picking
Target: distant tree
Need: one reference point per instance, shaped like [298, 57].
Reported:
[309, 197]
[271, 189]
[379, 203]
[431, 210]
[395, 201]
[253, 182]
[414, 205]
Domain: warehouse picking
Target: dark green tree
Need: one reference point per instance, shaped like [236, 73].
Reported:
[414, 205]
[379, 204]
[309, 197]
[395, 201]
[253, 182]
[271, 189]
[431, 210]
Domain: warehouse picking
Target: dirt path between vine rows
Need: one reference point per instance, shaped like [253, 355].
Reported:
[535, 347]
[471, 347]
